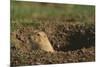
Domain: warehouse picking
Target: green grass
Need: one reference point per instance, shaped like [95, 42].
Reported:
[27, 10]
[32, 12]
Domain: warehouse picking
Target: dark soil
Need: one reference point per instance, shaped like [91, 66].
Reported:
[73, 42]
[39, 57]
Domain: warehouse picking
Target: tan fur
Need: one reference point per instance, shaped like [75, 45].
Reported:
[41, 41]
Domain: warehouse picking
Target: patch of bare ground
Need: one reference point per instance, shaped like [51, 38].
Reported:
[72, 42]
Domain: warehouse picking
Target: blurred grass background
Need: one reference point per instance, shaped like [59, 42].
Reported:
[32, 13]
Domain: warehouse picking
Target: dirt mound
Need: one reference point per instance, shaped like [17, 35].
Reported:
[73, 42]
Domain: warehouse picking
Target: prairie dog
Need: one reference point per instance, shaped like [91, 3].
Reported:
[41, 41]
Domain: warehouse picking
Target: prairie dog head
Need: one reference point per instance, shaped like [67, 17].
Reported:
[40, 39]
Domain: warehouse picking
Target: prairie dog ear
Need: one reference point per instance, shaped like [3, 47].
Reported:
[36, 31]
[44, 35]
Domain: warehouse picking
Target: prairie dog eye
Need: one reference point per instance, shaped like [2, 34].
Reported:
[38, 34]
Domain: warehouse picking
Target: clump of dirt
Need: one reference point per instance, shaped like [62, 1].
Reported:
[73, 42]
